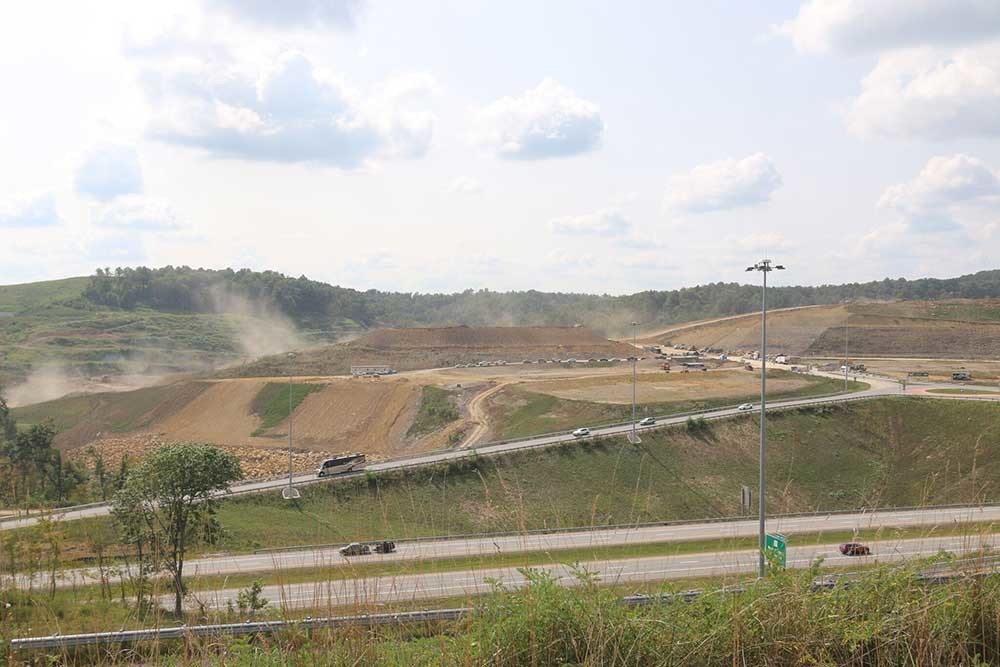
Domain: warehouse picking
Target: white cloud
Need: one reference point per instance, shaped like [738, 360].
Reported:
[944, 188]
[135, 213]
[606, 222]
[546, 121]
[30, 211]
[290, 112]
[292, 13]
[465, 185]
[723, 185]
[852, 26]
[108, 171]
[928, 94]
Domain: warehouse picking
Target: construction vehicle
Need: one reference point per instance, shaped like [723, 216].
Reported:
[748, 367]
[665, 366]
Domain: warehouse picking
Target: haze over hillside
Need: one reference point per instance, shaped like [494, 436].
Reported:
[130, 327]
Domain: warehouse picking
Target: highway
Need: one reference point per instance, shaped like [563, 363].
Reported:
[423, 550]
[879, 387]
[379, 590]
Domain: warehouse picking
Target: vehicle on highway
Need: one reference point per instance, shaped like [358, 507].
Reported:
[338, 465]
[745, 406]
[855, 549]
[385, 547]
[648, 421]
[580, 432]
[355, 549]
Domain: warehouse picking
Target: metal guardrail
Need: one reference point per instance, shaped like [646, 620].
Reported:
[423, 616]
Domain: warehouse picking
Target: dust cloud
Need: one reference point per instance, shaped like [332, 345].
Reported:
[44, 383]
[260, 329]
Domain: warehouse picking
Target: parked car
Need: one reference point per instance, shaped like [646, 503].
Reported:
[648, 421]
[855, 549]
[355, 549]
[746, 406]
[385, 547]
[580, 432]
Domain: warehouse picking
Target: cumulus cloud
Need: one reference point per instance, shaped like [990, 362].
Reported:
[852, 26]
[108, 171]
[944, 187]
[723, 185]
[925, 93]
[465, 185]
[290, 112]
[136, 213]
[292, 13]
[606, 222]
[30, 211]
[547, 121]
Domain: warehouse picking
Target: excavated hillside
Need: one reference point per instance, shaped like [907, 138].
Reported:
[957, 329]
[419, 348]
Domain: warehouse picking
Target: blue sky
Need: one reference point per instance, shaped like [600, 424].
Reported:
[438, 146]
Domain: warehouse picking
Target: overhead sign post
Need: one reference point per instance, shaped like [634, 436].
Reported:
[775, 548]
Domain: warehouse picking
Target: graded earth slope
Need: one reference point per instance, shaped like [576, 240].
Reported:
[419, 348]
[950, 329]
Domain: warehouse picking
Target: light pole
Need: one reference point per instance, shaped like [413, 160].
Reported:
[847, 331]
[635, 360]
[765, 267]
[290, 493]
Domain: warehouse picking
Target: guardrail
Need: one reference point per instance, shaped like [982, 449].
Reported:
[424, 616]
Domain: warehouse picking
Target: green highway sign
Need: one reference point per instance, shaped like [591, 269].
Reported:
[775, 547]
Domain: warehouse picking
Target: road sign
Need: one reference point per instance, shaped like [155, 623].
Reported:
[774, 548]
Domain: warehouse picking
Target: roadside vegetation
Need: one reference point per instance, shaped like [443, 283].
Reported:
[884, 453]
[887, 616]
[437, 410]
[517, 412]
[272, 403]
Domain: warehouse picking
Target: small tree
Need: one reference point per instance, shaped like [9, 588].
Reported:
[174, 491]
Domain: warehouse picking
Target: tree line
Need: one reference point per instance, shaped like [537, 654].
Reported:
[314, 303]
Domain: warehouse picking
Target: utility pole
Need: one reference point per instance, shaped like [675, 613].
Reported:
[847, 331]
[290, 492]
[765, 267]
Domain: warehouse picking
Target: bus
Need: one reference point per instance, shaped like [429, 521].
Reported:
[338, 465]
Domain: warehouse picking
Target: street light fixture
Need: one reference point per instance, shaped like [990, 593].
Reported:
[290, 492]
[765, 267]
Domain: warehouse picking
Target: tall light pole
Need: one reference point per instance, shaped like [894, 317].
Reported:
[847, 322]
[290, 492]
[765, 267]
[635, 360]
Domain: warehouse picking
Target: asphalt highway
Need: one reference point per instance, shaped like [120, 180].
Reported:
[379, 590]
[424, 550]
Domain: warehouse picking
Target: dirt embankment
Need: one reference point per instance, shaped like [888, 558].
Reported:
[415, 349]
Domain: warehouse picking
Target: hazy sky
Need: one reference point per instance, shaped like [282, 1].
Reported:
[437, 146]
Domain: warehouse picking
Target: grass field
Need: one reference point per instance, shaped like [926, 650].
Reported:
[436, 411]
[524, 410]
[273, 403]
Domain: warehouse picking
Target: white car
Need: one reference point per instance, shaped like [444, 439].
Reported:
[648, 421]
[745, 407]
[580, 432]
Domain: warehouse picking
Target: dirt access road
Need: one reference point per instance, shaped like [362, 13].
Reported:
[650, 336]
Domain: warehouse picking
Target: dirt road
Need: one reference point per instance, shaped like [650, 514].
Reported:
[478, 417]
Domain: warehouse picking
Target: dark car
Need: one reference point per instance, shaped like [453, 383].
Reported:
[385, 547]
[855, 549]
[355, 549]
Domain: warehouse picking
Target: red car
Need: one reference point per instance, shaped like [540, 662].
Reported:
[855, 549]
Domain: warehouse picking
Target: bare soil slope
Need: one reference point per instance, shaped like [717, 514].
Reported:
[419, 348]
[956, 328]
[360, 415]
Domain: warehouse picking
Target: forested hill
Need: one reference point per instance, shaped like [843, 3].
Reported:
[308, 302]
